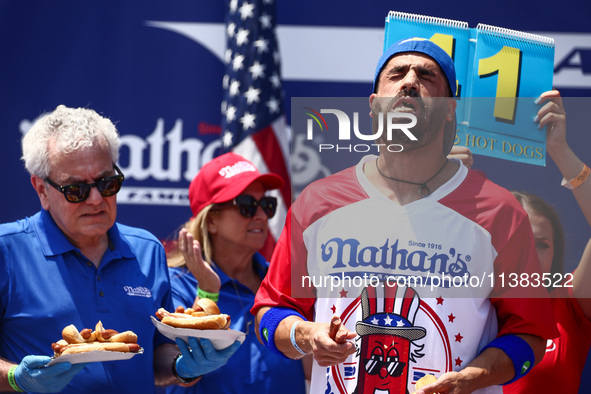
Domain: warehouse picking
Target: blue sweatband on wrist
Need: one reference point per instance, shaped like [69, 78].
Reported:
[269, 324]
[518, 350]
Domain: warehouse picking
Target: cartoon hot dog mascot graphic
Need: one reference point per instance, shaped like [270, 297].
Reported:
[387, 333]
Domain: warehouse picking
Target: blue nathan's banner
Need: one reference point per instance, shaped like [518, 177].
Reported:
[167, 73]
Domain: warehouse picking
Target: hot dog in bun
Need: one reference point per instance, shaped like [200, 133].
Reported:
[75, 341]
[203, 316]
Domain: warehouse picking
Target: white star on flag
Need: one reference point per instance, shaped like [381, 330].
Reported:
[257, 70]
[273, 105]
[230, 114]
[237, 63]
[227, 58]
[265, 21]
[247, 121]
[246, 11]
[231, 29]
[234, 88]
[252, 95]
[261, 46]
[275, 80]
[227, 139]
[242, 37]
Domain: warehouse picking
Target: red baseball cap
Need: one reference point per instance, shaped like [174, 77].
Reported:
[224, 178]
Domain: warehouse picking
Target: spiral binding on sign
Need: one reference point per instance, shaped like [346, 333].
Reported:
[427, 19]
[516, 35]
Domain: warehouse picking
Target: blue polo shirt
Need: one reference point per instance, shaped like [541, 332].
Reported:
[253, 368]
[47, 284]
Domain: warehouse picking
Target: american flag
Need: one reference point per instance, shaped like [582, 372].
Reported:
[253, 121]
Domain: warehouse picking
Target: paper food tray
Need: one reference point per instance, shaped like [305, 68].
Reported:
[94, 356]
[220, 339]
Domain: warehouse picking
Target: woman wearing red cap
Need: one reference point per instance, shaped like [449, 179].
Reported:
[217, 258]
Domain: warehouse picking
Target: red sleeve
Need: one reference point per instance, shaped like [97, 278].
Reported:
[282, 285]
[532, 316]
[573, 308]
[522, 303]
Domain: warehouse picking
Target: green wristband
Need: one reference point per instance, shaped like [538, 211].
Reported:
[204, 294]
[12, 380]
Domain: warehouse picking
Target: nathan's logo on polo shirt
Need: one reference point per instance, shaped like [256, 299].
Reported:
[422, 257]
[139, 291]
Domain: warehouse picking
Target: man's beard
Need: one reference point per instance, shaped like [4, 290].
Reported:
[430, 114]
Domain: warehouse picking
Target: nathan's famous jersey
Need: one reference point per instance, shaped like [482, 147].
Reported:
[418, 283]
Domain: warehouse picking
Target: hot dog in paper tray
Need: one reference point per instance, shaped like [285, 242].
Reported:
[92, 346]
[204, 320]
[205, 316]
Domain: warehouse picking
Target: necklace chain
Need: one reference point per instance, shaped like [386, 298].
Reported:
[424, 190]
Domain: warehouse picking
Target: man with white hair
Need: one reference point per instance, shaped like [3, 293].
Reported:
[72, 263]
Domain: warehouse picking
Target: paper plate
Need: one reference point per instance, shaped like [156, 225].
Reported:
[94, 356]
[220, 339]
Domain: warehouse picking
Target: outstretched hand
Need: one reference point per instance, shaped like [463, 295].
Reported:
[553, 115]
[191, 250]
[326, 350]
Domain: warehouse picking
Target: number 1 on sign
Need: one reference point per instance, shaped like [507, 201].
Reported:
[506, 64]
[447, 43]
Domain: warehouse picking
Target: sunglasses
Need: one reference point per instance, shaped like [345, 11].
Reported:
[394, 368]
[247, 205]
[78, 192]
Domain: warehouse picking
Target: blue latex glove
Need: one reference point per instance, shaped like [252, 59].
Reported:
[201, 358]
[32, 375]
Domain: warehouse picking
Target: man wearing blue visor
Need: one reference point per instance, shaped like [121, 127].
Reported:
[407, 212]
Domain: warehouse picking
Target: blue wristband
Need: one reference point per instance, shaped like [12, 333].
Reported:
[269, 323]
[518, 350]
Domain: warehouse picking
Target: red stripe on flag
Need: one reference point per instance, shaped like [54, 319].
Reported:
[270, 150]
